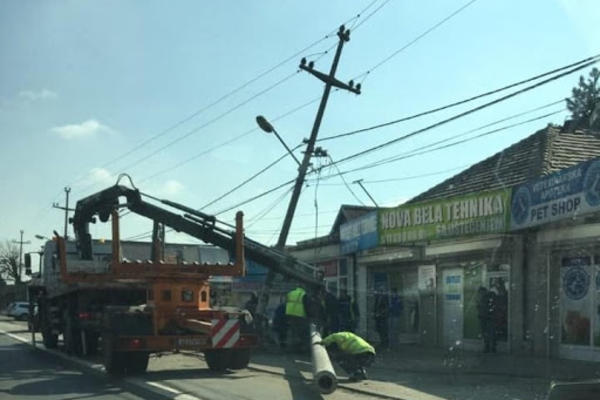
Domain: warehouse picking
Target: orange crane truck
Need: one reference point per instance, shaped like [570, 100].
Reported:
[99, 300]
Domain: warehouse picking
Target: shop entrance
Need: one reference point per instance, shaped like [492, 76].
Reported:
[404, 307]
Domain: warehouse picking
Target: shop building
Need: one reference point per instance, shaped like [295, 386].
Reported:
[437, 250]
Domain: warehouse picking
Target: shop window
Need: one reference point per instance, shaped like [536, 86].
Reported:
[187, 295]
[579, 284]
[203, 296]
[343, 267]
[150, 294]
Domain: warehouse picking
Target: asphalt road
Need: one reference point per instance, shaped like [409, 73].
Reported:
[28, 374]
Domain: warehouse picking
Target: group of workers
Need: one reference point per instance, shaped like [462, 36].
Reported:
[337, 318]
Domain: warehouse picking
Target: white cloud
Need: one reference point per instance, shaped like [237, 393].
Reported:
[172, 187]
[43, 94]
[101, 176]
[87, 128]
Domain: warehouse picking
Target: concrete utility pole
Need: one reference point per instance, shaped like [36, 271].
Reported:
[20, 243]
[66, 208]
[329, 80]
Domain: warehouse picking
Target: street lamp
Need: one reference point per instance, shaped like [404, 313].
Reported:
[40, 237]
[268, 128]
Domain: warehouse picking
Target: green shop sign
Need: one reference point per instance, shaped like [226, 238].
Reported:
[474, 214]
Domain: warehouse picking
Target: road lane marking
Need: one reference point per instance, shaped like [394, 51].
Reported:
[155, 387]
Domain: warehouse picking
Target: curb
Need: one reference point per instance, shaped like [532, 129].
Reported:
[340, 385]
[135, 385]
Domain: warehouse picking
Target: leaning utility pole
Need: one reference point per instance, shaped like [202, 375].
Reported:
[66, 208]
[329, 80]
[20, 243]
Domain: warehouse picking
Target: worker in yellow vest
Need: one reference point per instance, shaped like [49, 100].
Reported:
[351, 352]
[295, 313]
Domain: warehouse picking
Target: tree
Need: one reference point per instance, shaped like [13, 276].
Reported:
[9, 262]
[584, 104]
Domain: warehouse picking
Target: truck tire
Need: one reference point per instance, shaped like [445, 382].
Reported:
[240, 358]
[49, 339]
[137, 362]
[218, 360]
[71, 336]
[91, 342]
[114, 362]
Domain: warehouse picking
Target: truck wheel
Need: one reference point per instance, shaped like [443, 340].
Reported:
[49, 339]
[218, 360]
[240, 358]
[137, 362]
[72, 336]
[114, 362]
[91, 342]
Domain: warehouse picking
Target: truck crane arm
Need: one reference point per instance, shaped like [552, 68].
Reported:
[192, 222]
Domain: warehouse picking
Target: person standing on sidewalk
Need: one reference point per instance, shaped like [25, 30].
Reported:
[396, 309]
[486, 310]
[381, 319]
[351, 352]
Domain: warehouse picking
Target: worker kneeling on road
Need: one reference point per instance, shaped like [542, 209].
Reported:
[351, 352]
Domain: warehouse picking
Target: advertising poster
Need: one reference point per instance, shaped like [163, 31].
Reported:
[563, 194]
[474, 214]
[359, 234]
[426, 278]
[576, 300]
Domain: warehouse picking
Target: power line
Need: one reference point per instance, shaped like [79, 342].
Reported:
[234, 91]
[404, 178]
[265, 211]
[209, 122]
[256, 197]
[372, 165]
[427, 148]
[422, 35]
[465, 113]
[346, 183]
[460, 102]
[227, 142]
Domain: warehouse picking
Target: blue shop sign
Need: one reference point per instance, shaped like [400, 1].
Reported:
[359, 234]
[563, 194]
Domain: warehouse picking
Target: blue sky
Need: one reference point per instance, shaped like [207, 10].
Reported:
[83, 82]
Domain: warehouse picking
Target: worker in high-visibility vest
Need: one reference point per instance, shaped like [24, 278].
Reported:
[351, 352]
[295, 312]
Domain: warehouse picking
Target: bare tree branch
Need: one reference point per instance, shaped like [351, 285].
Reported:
[9, 262]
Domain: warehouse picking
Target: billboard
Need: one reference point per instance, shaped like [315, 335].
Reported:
[563, 194]
[359, 234]
[473, 214]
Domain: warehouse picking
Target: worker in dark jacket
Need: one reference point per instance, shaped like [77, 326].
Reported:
[332, 318]
[280, 325]
[486, 310]
[381, 319]
[348, 312]
[351, 352]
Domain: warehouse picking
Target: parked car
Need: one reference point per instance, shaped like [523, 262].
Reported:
[8, 309]
[20, 310]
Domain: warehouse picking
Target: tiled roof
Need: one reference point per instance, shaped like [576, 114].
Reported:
[542, 153]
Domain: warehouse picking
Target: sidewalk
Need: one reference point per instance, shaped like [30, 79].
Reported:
[414, 358]
[417, 373]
